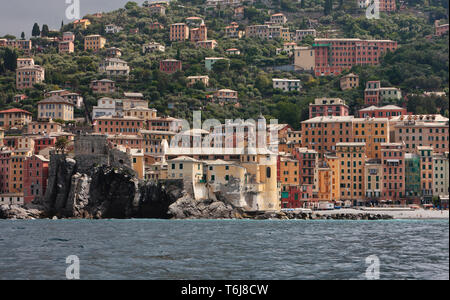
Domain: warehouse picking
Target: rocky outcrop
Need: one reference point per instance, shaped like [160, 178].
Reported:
[318, 216]
[107, 193]
[16, 212]
[188, 208]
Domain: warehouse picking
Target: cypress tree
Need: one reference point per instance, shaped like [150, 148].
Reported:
[36, 31]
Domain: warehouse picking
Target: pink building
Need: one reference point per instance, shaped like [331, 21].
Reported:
[328, 107]
[27, 77]
[43, 142]
[393, 164]
[35, 177]
[332, 56]
[170, 66]
[199, 34]
[66, 47]
[5, 159]
[387, 111]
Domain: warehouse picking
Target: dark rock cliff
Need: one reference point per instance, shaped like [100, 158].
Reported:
[105, 192]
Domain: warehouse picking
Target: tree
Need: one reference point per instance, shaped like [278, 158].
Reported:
[22, 35]
[36, 31]
[328, 7]
[10, 59]
[61, 144]
[45, 30]
[130, 5]
[302, 4]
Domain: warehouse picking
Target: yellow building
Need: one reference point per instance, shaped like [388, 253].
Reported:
[94, 42]
[373, 174]
[141, 113]
[137, 161]
[262, 178]
[373, 132]
[14, 118]
[352, 159]
[185, 168]
[333, 163]
[83, 24]
[55, 107]
[156, 171]
[289, 169]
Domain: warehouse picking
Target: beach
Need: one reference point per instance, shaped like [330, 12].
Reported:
[411, 214]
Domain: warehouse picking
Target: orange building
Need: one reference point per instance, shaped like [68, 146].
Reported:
[179, 32]
[94, 42]
[14, 118]
[393, 162]
[352, 159]
[426, 171]
[115, 125]
[199, 34]
[373, 132]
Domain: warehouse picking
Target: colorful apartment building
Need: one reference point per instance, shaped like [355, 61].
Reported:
[43, 142]
[192, 80]
[278, 18]
[207, 44]
[199, 34]
[286, 85]
[323, 133]
[35, 177]
[426, 172]
[373, 132]
[55, 107]
[422, 130]
[170, 66]
[352, 160]
[66, 47]
[114, 125]
[332, 56]
[232, 31]
[387, 111]
[103, 86]
[373, 180]
[441, 174]
[302, 33]
[413, 188]
[349, 81]
[304, 58]
[267, 31]
[27, 77]
[179, 32]
[94, 42]
[226, 95]
[14, 117]
[393, 162]
[374, 94]
[83, 24]
[24, 45]
[328, 107]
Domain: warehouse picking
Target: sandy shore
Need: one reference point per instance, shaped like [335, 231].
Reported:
[413, 214]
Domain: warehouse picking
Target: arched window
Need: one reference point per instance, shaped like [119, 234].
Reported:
[268, 172]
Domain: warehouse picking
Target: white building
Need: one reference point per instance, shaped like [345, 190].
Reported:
[107, 107]
[114, 67]
[287, 85]
[153, 47]
[441, 174]
[111, 28]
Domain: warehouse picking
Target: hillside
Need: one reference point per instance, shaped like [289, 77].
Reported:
[420, 64]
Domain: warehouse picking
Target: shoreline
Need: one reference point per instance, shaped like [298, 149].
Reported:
[418, 214]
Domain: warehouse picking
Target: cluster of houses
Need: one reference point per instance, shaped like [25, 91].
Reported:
[382, 155]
